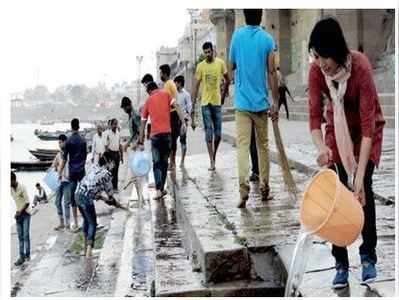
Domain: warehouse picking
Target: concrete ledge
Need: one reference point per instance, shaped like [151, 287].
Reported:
[211, 247]
[109, 262]
[177, 277]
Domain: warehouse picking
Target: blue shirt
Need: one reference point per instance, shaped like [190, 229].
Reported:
[249, 50]
[76, 152]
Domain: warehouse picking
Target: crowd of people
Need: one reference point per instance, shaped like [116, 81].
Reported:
[351, 143]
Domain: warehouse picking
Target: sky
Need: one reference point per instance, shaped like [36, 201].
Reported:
[56, 42]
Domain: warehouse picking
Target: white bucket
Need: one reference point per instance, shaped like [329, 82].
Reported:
[51, 180]
[139, 163]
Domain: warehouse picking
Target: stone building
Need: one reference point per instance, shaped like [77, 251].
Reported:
[165, 55]
[369, 30]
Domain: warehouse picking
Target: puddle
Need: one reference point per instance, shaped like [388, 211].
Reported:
[50, 242]
[298, 263]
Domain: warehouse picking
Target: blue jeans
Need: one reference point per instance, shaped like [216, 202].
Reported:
[212, 118]
[64, 190]
[160, 148]
[88, 212]
[23, 228]
[74, 179]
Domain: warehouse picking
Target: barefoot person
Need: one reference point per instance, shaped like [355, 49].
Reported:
[63, 193]
[252, 56]
[134, 123]
[209, 74]
[113, 145]
[41, 195]
[97, 181]
[282, 91]
[22, 218]
[175, 124]
[98, 145]
[353, 135]
[158, 106]
[184, 101]
[75, 154]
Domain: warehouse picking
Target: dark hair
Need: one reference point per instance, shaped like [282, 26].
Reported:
[147, 78]
[104, 159]
[37, 184]
[328, 40]
[62, 137]
[13, 176]
[125, 102]
[207, 45]
[75, 124]
[165, 69]
[151, 86]
[179, 79]
[253, 16]
[113, 120]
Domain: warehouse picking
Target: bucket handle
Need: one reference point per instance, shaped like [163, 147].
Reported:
[351, 180]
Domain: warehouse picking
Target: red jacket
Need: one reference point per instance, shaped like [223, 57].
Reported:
[362, 107]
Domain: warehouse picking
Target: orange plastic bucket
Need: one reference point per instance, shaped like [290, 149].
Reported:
[330, 210]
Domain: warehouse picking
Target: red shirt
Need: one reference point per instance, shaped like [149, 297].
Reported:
[362, 107]
[157, 107]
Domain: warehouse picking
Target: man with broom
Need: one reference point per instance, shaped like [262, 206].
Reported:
[251, 48]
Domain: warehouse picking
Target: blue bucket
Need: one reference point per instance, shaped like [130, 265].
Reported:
[140, 163]
[51, 180]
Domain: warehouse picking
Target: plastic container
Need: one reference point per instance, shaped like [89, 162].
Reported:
[51, 180]
[330, 210]
[139, 163]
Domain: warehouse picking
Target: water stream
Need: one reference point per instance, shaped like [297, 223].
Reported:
[298, 263]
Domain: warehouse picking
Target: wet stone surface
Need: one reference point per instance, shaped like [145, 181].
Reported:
[260, 224]
[299, 148]
[275, 224]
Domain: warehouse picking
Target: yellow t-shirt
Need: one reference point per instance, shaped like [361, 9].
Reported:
[170, 87]
[20, 197]
[211, 75]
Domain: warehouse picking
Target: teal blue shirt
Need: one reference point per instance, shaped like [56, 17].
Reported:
[249, 50]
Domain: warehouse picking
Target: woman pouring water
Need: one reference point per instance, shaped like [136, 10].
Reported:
[97, 181]
[353, 133]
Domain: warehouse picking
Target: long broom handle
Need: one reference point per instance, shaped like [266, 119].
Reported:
[287, 175]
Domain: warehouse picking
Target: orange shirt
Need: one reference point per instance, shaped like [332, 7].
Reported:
[157, 107]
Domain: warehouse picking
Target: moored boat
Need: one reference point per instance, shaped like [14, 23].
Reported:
[31, 165]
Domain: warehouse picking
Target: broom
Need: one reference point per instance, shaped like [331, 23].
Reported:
[283, 160]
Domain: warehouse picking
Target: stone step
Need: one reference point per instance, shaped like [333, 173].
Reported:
[384, 98]
[174, 272]
[320, 269]
[212, 248]
[388, 110]
[274, 225]
[226, 110]
[136, 273]
[296, 116]
[228, 117]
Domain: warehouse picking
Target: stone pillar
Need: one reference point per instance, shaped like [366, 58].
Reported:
[349, 19]
[239, 18]
[224, 21]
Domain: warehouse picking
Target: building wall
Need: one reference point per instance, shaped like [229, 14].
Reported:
[166, 55]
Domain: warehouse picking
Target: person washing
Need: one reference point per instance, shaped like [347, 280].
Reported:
[353, 133]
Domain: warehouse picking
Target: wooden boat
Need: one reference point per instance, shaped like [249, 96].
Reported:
[48, 151]
[48, 136]
[31, 165]
[43, 156]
